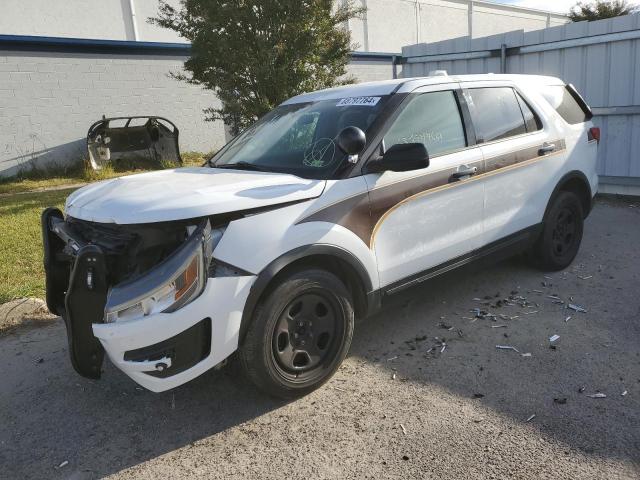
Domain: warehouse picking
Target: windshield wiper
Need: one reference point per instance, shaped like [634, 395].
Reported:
[243, 166]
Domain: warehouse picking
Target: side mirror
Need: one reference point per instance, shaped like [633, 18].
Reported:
[403, 157]
[351, 140]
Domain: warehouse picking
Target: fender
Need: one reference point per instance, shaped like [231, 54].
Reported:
[574, 175]
[276, 266]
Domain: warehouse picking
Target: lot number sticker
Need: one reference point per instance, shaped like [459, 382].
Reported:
[366, 101]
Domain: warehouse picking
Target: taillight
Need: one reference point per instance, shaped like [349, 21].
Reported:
[594, 134]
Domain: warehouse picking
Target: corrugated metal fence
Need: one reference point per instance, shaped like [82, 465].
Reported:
[602, 59]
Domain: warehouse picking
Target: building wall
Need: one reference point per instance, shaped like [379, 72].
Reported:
[100, 19]
[387, 27]
[49, 100]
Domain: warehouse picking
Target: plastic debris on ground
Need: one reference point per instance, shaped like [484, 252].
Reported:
[553, 338]
[531, 417]
[577, 308]
[507, 347]
[597, 395]
[623, 393]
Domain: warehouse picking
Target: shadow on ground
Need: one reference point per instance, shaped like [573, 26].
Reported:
[49, 414]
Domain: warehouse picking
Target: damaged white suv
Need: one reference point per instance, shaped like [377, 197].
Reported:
[313, 216]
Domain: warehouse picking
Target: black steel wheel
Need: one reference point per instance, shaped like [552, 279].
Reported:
[561, 235]
[305, 334]
[565, 227]
[300, 334]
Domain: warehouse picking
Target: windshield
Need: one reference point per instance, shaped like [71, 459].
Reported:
[299, 138]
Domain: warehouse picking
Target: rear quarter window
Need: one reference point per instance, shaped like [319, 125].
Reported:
[564, 102]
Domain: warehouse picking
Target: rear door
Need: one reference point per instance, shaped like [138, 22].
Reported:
[522, 158]
[424, 218]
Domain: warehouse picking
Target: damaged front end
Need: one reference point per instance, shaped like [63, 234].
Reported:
[107, 274]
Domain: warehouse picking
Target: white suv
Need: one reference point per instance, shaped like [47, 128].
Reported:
[313, 216]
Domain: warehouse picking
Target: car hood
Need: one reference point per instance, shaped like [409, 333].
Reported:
[184, 193]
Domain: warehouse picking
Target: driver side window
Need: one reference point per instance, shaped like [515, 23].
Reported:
[432, 119]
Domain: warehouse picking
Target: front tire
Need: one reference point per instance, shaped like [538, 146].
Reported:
[561, 235]
[300, 334]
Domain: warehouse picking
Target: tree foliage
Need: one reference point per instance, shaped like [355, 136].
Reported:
[254, 54]
[599, 9]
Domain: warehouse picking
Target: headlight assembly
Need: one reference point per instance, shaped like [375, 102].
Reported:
[170, 285]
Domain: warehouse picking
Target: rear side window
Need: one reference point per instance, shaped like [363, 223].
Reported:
[495, 113]
[531, 120]
[564, 101]
[432, 119]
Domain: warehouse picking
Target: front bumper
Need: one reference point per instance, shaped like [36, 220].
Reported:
[159, 351]
[222, 301]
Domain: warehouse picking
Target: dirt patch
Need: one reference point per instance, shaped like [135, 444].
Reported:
[23, 311]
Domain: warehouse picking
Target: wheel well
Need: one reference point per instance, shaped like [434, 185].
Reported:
[581, 188]
[340, 268]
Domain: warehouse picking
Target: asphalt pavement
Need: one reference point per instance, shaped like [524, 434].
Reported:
[425, 393]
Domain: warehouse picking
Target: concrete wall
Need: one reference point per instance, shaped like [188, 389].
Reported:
[101, 19]
[602, 59]
[391, 24]
[388, 26]
[49, 100]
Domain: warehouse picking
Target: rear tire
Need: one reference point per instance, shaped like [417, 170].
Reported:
[561, 235]
[300, 334]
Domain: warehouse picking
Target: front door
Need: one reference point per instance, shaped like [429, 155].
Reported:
[425, 218]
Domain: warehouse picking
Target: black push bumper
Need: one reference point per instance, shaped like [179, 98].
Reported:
[76, 283]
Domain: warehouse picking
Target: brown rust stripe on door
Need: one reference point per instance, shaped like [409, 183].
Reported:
[364, 213]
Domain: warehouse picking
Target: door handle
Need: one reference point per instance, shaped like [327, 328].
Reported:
[462, 172]
[546, 148]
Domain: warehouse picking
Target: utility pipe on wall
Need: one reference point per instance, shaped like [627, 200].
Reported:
[132, 10]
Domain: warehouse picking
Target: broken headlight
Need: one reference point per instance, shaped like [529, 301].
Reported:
[168, 286]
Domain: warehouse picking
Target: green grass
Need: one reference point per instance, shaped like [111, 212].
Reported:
[35, 179]
[21, 269]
